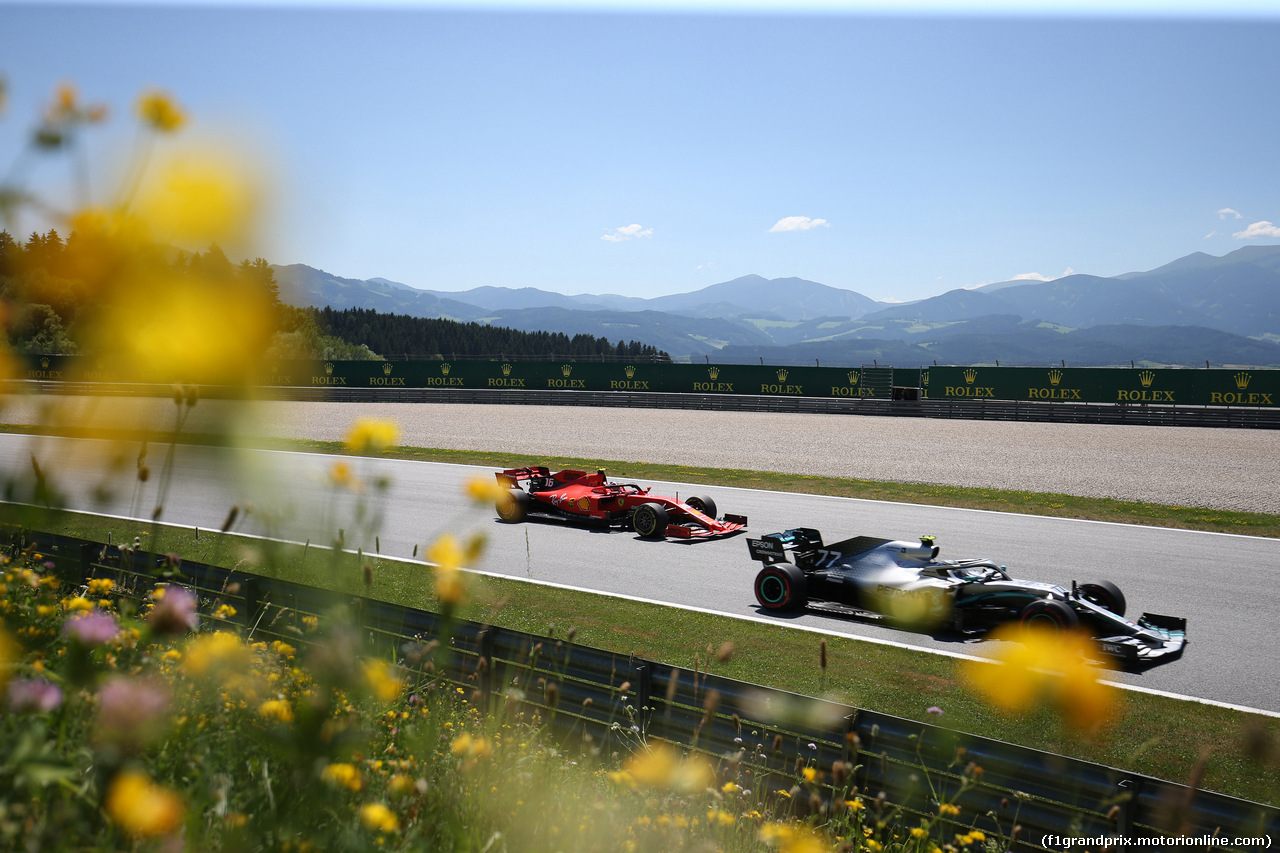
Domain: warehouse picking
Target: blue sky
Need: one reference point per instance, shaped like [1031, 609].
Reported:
[590, 147]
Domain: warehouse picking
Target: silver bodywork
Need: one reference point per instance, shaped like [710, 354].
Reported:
[905, 581]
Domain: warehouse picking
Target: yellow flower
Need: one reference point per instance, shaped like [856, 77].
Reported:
[200, 195]
[1045, 667]
[448, 555]
[217, 652]
[65, 104]
[78, 603]
[141, 808]
[101, 586]
[719, 816]
[277, 710]
[485, 490]
[446, 552]
[792, 838]
[450, 588]
[469, 747]
[9, 654]
[660, 766]
[400, 785]
[200, 327]
[919, 832]
[378, 818]
[370, 435]
[383, 679]
[340, 474]
[158, 110]
[810, 774]
[949, 810]
[342, 775]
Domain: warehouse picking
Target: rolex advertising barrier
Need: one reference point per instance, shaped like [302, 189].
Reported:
[619, 699]
[1226, 397]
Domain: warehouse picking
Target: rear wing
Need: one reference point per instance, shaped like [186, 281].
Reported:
[773, 547]
[513, 477]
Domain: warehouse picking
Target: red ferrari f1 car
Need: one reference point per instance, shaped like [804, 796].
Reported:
[587, 497]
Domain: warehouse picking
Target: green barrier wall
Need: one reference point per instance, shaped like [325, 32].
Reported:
[1210, 387]
[1187, 387]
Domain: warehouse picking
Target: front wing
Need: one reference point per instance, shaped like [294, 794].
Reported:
[725, 526]
[1171, 631]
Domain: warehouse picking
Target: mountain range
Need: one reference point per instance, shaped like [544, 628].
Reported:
[1195, 309]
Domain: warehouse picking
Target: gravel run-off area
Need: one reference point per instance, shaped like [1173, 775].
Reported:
[1234, 469]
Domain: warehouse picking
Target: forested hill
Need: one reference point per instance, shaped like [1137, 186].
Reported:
[401, 334]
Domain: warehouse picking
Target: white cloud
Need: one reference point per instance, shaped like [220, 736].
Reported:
[1258, 229]
[627, 232]
[1035, 276]
[797, 223]
[1213, 233]
[1228, 213]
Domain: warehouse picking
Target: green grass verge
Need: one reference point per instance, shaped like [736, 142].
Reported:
[1152, 735]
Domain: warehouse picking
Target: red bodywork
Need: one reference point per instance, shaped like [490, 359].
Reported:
[577, 494]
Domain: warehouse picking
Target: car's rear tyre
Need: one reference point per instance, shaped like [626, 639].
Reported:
[1105, 594]
[703, 504]
[1050, 614]
[513, 506]
[650, 521]
[781, 586]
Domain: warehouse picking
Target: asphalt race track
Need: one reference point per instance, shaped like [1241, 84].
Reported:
[1224, 585]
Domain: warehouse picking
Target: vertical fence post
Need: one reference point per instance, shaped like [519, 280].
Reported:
[484, 678]
[644, 691]
[253, 608]
[1127, 799]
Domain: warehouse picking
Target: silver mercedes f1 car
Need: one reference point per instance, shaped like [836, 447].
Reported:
[906, 583]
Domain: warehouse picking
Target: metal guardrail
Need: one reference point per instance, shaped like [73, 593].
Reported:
[605, 694]
[991, 410]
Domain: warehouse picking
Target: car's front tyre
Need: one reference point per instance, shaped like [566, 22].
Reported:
[650, 521]
[703, 504]
[781, 586]
[1105, 594]
[1049, 614]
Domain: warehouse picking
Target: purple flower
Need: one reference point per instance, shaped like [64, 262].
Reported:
[175, 613]
[34, 694]
[129, 710]
[933, 709]
[93, 628]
